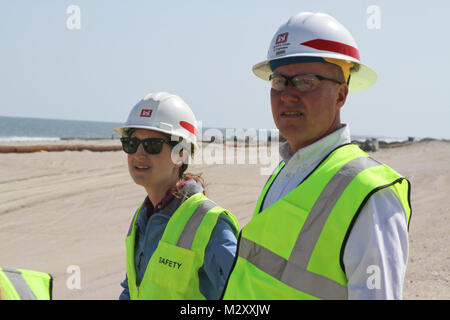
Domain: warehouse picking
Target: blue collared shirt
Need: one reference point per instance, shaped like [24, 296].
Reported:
[219, 253]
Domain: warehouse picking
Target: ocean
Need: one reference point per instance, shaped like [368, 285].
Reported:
[29, 129]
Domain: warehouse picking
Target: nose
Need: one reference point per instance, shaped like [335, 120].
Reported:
[140, 152]
[290, 95]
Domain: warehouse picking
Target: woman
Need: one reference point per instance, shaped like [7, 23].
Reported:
[180, 244]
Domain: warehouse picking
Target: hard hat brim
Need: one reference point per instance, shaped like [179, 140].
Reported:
[362, 79]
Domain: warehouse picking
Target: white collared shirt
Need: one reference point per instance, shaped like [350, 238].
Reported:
[376, 252]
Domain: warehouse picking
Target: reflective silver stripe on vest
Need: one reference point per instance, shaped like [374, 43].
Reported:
[323, 206]
[293, 272]
[290, 274]
[187, 236]
[19, 284]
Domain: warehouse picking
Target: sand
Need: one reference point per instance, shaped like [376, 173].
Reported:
[67, 213]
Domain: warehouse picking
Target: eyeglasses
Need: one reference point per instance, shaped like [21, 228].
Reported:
[150, 145]
[303, 82]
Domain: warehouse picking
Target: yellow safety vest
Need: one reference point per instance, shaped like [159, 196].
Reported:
[172, 272]
[19, 284]
[294, 248]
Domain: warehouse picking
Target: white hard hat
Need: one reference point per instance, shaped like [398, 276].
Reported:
[166, 113]
[316, 35]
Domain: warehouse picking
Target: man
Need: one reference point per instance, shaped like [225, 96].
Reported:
[331, 222]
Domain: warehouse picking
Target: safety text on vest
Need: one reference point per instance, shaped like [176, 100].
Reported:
[170, 263]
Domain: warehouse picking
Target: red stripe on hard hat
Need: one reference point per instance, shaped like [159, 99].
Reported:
[333, 46]
[189, 127]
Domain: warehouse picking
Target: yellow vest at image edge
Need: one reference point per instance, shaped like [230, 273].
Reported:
[20, 284]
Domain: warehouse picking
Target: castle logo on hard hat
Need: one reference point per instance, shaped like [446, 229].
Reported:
[282, 38]
[281, 43]
[189, 127]
[146, 113]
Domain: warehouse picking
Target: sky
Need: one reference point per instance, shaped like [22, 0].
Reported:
[97, 63]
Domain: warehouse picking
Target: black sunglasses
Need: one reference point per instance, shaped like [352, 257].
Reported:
[150, 145]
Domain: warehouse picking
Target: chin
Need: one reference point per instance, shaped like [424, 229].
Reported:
[291, 133]
[140, 181]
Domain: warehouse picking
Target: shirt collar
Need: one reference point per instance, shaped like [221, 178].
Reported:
[189, 188]
[315, 152]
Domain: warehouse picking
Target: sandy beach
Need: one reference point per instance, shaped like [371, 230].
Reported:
[71, 210]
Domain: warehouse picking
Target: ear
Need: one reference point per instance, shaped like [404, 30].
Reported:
[341, 95]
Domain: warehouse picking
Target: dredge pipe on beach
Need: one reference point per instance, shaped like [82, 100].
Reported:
[28, 149]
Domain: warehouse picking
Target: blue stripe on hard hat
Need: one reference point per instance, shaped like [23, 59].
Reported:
[291, 60]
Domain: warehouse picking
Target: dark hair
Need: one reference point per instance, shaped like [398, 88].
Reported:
[178, 192]
[127, 132]
[183, 175]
